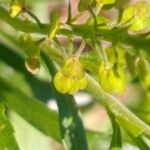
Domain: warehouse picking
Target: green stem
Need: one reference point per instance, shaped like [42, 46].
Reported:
[122, 114]
[33, 16]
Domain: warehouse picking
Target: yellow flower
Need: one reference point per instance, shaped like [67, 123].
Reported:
[71, 78]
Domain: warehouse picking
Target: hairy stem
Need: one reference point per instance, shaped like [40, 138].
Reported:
[123, 115]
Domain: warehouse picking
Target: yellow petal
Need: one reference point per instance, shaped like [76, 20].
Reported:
[73, 68]
[74, 86]
[15, 9]
[61, 83]
[83, 83]
[117, 81]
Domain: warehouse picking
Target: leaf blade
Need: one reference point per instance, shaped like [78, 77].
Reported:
[7, 139]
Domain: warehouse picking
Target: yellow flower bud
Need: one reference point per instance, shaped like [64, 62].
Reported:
[112, 79]
[15, 9]
[71, 77]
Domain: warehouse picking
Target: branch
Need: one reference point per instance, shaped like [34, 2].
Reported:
[21, 25]
[115, 34]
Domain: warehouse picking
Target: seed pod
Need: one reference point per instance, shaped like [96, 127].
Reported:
[16, 7]
[71, 78]
[32, 51]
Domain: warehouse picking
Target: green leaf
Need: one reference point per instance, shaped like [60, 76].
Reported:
[84, 4]
[121, 3]
[130, 127]
[31, 109]
[72, 130]
[116, 142]
[127, 14]
[105, 2]
[140, 142]
[7, 139]
[141, 17]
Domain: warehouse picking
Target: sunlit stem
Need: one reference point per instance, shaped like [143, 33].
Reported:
[116, 51]
[104, 55]
[65, 56]
[33, 16]
[81, 48]
[70, 45]
[64, 53]
[93, 15]
[69, 14]
[98, 9]
[39, 41]
[77, 17]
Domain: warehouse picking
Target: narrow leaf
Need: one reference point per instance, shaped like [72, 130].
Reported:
[71, 125]
[7, 139]
[31, 109]
[116, 142]
[140, 142]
